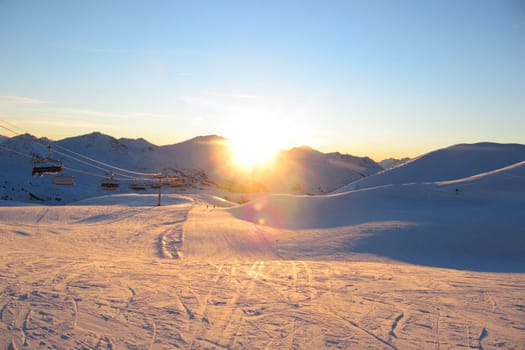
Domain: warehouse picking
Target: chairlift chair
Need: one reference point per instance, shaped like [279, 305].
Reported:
[46, 165]
[43, 166]
[63, 179]
[109, 183]
[137, 186]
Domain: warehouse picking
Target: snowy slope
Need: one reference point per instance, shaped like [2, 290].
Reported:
[427, 223]
[189, 276]
[446, 164]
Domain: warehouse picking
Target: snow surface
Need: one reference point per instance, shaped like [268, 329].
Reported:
[190, 276]
[399, 266]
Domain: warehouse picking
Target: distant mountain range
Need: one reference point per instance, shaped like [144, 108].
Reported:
[206, 161]
[201, 161]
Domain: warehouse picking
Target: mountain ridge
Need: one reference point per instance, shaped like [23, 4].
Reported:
[200, 160]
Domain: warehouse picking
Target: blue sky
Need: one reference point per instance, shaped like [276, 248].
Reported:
[377, 78]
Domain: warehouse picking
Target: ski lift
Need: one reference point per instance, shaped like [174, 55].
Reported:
[155, 185]
[175, 182]
[46, 165]
[109, 183]
[63, 179]
[137, 186]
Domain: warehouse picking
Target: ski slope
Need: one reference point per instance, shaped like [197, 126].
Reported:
[118, 272]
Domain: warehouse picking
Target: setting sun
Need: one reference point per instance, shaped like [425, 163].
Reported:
[256, 145]
[252, 150]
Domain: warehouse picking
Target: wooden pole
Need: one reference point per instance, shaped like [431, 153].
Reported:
[160, 186]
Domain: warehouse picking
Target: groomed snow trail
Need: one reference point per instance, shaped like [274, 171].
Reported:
[191, 276]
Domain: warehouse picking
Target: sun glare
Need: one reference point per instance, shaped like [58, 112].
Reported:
[256, 145]
[253, 150]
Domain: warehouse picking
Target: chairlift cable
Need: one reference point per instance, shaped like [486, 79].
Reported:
[74, 169]
[80, 160]
[105, 164]
[104, 176]
[90, 165]
[5, 127]
[82, 156]
[17, 152]
[85, 172]
[13, 126]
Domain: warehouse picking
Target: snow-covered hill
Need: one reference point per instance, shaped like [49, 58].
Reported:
[474, 222]
[450, 163]
[201, 160]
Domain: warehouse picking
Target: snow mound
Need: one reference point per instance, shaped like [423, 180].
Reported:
[451, 163]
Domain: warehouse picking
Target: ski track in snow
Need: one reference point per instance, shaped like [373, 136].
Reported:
[186, 276]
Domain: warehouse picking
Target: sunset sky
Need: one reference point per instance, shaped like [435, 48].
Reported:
[377, 78]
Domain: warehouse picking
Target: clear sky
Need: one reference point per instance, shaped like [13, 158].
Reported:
[378, 78]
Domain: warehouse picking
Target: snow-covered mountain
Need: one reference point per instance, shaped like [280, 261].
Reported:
[305, 170]
[455, 162]
[201, 160]
[299, 170]
[201, 152]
